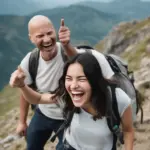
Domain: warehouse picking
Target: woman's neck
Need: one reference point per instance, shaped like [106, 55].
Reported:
[89, 108]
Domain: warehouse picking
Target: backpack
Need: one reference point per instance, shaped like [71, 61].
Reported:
[125, 81]
[33, 67]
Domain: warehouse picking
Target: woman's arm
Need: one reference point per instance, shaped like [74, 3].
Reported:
[128, 130]
[34, 97]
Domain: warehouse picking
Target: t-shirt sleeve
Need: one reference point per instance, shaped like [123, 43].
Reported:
[123, 101]
[25, 66]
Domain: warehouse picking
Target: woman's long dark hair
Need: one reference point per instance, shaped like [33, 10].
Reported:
[96, 80]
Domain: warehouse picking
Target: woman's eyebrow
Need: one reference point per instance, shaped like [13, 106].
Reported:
[77, 76]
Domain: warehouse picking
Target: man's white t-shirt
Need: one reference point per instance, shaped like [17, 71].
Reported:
[49, 73]
[86, 134]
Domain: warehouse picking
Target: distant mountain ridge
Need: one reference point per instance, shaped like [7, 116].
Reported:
[25, 7]
[128, 9]
[87, 25]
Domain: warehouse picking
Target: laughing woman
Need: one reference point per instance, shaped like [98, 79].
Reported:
[82, 86]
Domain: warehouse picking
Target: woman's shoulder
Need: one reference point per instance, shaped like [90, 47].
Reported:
[123, 100]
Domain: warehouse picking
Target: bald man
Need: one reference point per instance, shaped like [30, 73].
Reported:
[47, 118]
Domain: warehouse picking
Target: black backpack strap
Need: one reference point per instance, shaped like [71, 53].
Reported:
[65, 124]
[113, 64]
[113, 118]
[33, 66]
[84, 47]
[63, 54]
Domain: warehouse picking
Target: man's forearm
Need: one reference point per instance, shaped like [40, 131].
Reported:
[24, 107]
[70, 50]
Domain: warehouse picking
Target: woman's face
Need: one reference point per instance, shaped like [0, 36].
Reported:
[78, 86]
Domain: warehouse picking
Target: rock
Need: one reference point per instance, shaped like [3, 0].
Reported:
[148, 48]
[9, 139]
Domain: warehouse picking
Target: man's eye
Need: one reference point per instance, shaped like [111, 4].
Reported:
[39, 36]
[49, 33]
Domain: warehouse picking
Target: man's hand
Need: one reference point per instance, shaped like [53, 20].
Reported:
[64, 33]
[17, 78]
[21, 129]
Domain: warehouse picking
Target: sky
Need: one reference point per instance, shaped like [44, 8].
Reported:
[66, 2]
[9, 7]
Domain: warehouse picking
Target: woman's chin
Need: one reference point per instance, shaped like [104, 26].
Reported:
[78, 104]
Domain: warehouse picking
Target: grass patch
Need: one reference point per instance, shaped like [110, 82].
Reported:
[135, 28]
[135, 55]
[100, 46]
[9, 99]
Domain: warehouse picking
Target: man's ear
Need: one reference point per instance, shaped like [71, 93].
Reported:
[31, 38]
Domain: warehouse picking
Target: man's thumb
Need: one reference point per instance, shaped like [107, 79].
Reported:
[62, 22]
[20, 69]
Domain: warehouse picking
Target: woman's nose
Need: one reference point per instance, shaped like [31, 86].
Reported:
[74, 85]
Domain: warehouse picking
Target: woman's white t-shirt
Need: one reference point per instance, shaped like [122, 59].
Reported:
[86, 134]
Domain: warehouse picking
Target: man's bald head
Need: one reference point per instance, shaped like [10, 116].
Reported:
[37, 21]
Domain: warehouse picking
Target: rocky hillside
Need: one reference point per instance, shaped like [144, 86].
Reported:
[131, 41]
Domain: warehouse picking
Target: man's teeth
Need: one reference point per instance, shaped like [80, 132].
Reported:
[47, 45]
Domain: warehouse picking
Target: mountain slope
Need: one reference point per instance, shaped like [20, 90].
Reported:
[127, 9]
[85, 23]
[25, 7]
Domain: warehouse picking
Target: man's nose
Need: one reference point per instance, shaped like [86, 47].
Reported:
[46, 38]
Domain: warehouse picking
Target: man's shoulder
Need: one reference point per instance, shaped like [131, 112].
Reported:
[27, 56]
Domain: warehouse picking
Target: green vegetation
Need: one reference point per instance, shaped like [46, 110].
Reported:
[100, 46]
[9, 98]
[135, 55]
[132, 31]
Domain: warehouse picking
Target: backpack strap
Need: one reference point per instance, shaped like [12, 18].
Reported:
[34, 62]
[63, 54]
[33, 66]
[113, 119]
[65, 124]
[84, 47]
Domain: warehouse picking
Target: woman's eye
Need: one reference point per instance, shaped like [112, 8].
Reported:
[68, 79]
[82, 80]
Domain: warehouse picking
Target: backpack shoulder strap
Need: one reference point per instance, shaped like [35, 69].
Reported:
[86, 48]
[65, 124]
[33, 66]
[63, 54]
[113, 119]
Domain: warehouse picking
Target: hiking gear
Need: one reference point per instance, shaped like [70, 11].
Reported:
[124, 79]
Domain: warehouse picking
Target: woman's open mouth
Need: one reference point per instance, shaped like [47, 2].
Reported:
[76, 96]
